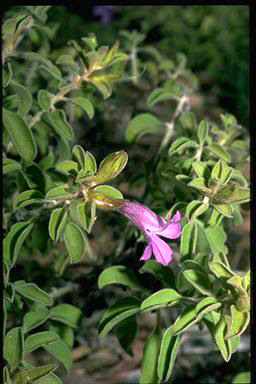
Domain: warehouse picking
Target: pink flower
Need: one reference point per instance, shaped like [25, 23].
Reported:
[152, 227]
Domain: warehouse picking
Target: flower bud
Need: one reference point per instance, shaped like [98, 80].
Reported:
[111, 166]
[242, 304]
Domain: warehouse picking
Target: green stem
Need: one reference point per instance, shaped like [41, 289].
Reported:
[134, 64]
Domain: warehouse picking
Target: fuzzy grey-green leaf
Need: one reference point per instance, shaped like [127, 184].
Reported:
[20, 135]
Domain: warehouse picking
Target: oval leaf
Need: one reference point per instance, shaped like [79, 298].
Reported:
[35, 318]
[44, 99]
[25, 98]
[85, 104]
[159, 271]
[40, 339]
[108, 191]
[74, 241]
[10, 165]
[14, 241]
[61, 352]
[20, 135]
[199, 280]
[119, 274]
[67, 314]
[13, 346]
[57, 223]
[185, 319]
[60, 124]
[141, 124]
[168, 351]
[32, 292]
[121, 310]
[27, 198]
[150, 356]
[160, 299]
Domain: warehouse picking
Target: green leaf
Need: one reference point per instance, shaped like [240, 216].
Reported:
[60, 124]
[10, 165]
[34, 178]
[168, 351]
[242, 378]
[201, 169]
[140, 125]
[65, 332]
[74, 241]
[232, 193]
[14, 240]
[199, 183]
[225, 209]
[13, 346]
[57, 223]
[188, 121]
[6, 376]
[220, 270]
[126, 332]
[32, 56]
[7, 74]
[40, 339]
[20, 135]
[180, 144]
[185, 319]
[219, 336]
[150, 357]
[108, 191]
[68, 60]
[239, 178]
[119, 274]
[239, 322]
[58, 193]
[27, 198]
[90, 163]
[102, 86]
[202, 132]
[216, 238]
[196, 208]
[222, 172]
[85, 104]
[78, 153]
[199, 280]
[61, 352]
[34, 375]
[32, 292]
[160, 94]
[205, 306]
[159, 271]
[160, 299]
[122, 309]
[35, 318]
[68, 167]
[44, 99]
[188, 240]
[218, 150]
[86, 213]
[25, 98]
[67, 314]
[228, 120]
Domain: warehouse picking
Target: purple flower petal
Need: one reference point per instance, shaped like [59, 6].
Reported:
[172, 231]
[176, 218]
[161, 250]
[147, 252]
